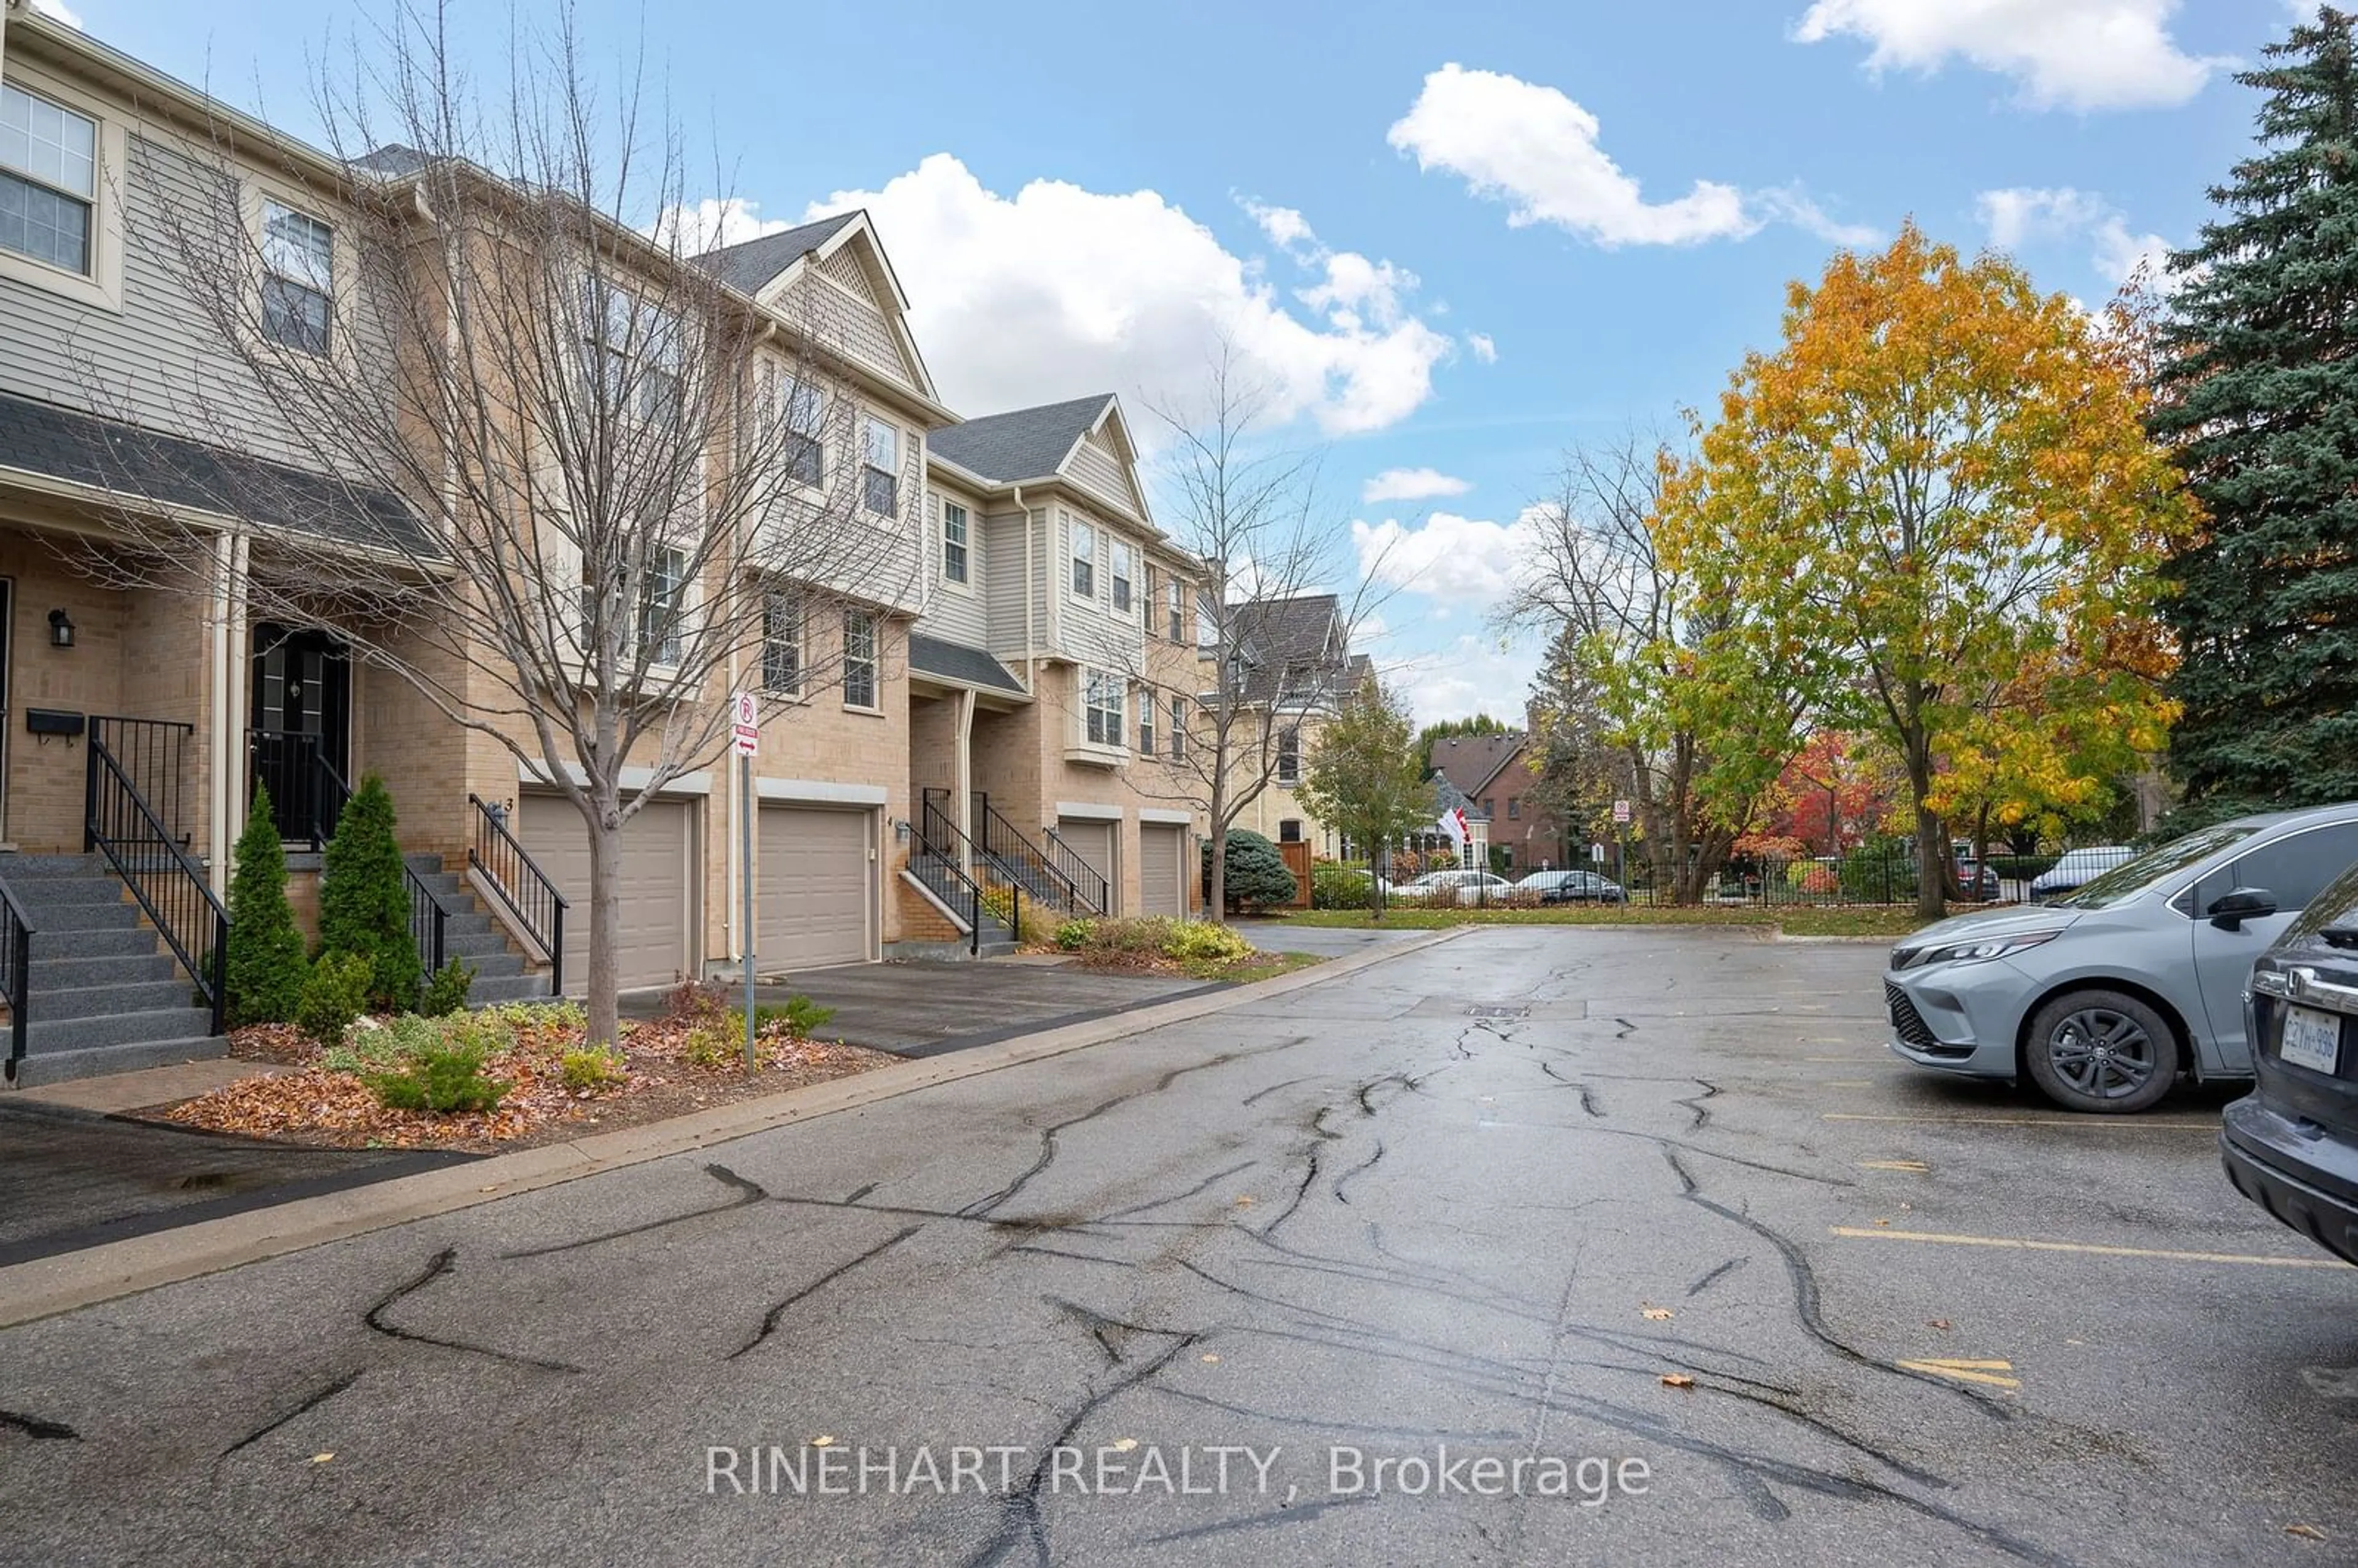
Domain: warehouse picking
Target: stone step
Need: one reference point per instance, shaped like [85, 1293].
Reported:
[471, 924]
[110, 1001]
[489, 988]
[57, 1066]
[25, 867]
[103, 970]
[37, 894]
[49, 1034]
[443, 882]
[471, 943]
[52, 944]
[489, 965]
[50, 919]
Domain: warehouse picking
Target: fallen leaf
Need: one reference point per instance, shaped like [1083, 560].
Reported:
[821, 1441]
[2306, 1532]
[321, 1458]
[1124, 1445]
[1657, 1314]
[1211, 1357]
[1883, 1222]
[1677, 1380]
[1244, 1202]
[1942, 1322]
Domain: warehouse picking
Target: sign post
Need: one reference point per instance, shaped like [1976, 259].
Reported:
[1621, 843]
[746, 742]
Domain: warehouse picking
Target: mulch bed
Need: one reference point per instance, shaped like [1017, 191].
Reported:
[312, 1105]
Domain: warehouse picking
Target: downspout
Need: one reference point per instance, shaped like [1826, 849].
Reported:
[224, 736]
[1030, 643]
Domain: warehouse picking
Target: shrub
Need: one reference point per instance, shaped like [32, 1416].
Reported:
[1256, 872]
[1203, 940]
[1073, 935]
[266, 963]
[591, 1070]
[801, 1016]
[1336, 887]
[364, 896]
[1882, 870]
[445, 992]
[719, 1042]
[440, 1078]
[334, 997]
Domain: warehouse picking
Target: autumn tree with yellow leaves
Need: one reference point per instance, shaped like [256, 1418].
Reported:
[1938, 500]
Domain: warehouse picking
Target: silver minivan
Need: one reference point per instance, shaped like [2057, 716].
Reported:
[2105, 996]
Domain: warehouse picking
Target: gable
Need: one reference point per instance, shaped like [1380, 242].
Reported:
[1104, 463]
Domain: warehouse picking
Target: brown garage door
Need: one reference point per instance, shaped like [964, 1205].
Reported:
[1160, 851]
[1093, 842]
[812, 890]
[654, 943]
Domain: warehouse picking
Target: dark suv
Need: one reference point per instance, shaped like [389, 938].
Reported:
[2292, 1147]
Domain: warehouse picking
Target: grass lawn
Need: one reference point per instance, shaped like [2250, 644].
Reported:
[1830, 921]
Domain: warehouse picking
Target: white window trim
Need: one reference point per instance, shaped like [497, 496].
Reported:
[941, 544]
[101, 287]
[1125, 580]
[781, 373]
[875, 663]
[801, 690]
[900, 446]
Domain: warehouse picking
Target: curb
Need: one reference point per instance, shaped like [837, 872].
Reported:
[47, 1286]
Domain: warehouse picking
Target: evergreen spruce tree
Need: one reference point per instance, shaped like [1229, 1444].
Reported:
[364, 896]
[2258, 389]
[266, 963]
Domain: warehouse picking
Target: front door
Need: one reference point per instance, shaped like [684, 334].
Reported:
[302, 728]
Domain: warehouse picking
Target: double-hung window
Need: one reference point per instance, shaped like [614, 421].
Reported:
[634, 351]
[1176, 595]
[49, 181]
[1085, 560]
[954, 542]
[880, 479]
[1288, 755]
[663, 606]
[299, 263]
[1178, 727]
[1117, 554]
[1145, 722]
[1148, 598]
[1104, 696]
[781, 642]
[802, 436]
[858, 659]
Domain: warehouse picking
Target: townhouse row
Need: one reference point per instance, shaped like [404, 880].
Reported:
[1022, 693]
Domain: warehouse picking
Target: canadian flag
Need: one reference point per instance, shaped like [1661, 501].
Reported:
[1453, 822]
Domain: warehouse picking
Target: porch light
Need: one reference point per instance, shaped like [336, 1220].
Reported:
[61, 629]
[900, 830]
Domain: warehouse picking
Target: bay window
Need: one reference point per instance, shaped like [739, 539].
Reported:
[1103, 697]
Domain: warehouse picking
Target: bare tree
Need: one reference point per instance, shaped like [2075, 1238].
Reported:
[1250, 515]
[1628, 636]
[576, 487]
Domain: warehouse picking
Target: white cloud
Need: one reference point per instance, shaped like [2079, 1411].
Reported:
[1790, 204]
[1412, 484]
[1284, 225]
[1058, 291]
[1448, 557]
[2024, 215]
[1469, 675]
[58, 11]
[1484, 349]
[2078, 54]
[1534, 148]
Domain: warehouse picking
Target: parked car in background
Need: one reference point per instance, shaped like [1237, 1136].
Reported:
[2076, 868]
[1571, 887]
[2292, 1146]
[1467, 888]
[1978, 879]
[2104, 996]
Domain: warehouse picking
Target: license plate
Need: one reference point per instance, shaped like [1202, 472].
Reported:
[2311, 1039]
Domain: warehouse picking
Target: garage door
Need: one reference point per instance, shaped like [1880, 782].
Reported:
[813, 888]
[1160, 849]
[655, 941]
[1093, 842]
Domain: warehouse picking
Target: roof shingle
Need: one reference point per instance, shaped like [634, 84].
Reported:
[750, 264]
[956, 661]
[1023, 443]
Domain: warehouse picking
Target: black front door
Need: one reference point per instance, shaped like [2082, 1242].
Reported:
[302, 728]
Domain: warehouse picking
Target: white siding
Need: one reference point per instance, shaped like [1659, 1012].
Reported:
[1003, 585]
[848, 323]
[959, 614]
[1095, 469]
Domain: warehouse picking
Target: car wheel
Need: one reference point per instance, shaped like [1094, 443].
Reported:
[2101, 1051]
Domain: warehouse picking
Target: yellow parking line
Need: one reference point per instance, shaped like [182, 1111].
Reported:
[1918, 1166]
[2092, 1123]
[2020, 1245]
[1968, 1372]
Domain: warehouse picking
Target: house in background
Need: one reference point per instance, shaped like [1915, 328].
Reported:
[1299, 667]
[1495, 775]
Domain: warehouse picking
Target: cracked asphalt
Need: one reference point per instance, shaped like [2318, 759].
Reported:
[1537, 1193]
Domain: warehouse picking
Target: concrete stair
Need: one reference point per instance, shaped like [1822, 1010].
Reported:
[106, 994]
[939, 881]
[469, 932]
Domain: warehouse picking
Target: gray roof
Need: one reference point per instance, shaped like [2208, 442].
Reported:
[139, 464]
[956, 661]
[391, 160]
[1025, 443]
[1472, 762]
[1295, 647]
[748, 266]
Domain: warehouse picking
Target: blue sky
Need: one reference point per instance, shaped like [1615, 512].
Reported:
[1453, 239]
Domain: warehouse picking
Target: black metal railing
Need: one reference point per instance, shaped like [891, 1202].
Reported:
[935, 860]
[16, 973]
[530, 898]
[307, 792]
[1022, 863]
[1088, 883]
[152, 754]
[121, 823]
[428, 923]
